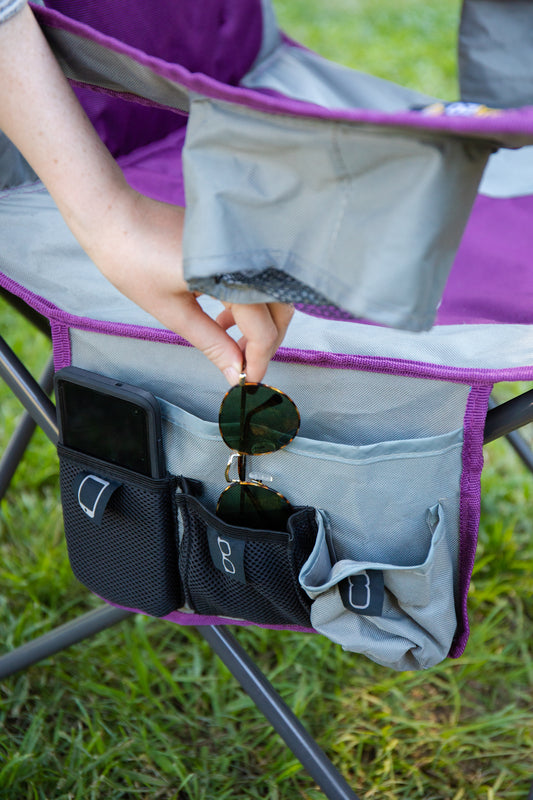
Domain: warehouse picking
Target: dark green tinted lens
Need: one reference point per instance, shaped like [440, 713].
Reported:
[250, 505]
[255, 419]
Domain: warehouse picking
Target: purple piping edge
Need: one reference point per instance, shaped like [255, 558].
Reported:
[517, 122]
[472, 454]
[61, 345]
[469, 510]
[316, 358]
[185, 618]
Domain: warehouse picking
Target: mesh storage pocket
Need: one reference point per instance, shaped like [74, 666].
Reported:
[240, 573]
[120, 533]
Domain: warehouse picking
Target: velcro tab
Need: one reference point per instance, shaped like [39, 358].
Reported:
[93, 494]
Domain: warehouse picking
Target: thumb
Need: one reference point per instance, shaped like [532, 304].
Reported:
[209, 337]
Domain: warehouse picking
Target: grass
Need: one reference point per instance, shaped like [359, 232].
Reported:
[145, 710]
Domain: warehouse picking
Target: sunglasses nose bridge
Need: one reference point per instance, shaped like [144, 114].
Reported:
[241, 468]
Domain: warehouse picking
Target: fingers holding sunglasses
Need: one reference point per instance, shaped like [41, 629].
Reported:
[263, 327]
[206, 334]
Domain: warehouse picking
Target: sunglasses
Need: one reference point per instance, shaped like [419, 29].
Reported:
[255, 419]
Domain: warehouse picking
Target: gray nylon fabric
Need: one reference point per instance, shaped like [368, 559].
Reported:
[365, 412]
[417, 624]
[318, 212]
[373, 493]
[10, 7]
[304, 75]
[509, 173]
[14, 169]
[373, 226]
[496, 52]
[39, 252]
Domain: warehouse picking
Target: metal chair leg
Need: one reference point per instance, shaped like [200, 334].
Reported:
[277, 712]
[504, 419]
[20, 440]
[24, 386]
[60, 638]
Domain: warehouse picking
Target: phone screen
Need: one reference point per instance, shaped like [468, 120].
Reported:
[106, 427]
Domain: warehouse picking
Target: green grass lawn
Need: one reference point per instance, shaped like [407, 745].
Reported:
[145, 710]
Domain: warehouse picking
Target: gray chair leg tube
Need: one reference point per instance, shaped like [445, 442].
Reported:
[27, 390]
[521, 448]
[60, 638]
[280, 716]
[504, 419]
[21, 438]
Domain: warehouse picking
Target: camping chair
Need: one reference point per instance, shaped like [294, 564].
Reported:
[271, 115]
[501, 420]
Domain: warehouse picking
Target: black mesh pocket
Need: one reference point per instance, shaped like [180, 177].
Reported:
[241, 573]
[120, 532]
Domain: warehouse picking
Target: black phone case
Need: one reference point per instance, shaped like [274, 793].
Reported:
[100, 386]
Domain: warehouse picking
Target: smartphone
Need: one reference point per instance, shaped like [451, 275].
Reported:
[109, 420]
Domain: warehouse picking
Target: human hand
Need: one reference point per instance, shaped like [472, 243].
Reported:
[136, 244]
[134, 241]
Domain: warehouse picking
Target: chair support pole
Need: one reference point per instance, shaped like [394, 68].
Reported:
[60, 638]
[27, 390]
[507, 417]
[20, 440]
[521, 448]
[277, 712]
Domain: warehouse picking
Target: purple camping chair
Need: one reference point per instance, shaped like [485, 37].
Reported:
[287, 163]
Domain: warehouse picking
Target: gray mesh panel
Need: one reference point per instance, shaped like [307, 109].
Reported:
[88, 62]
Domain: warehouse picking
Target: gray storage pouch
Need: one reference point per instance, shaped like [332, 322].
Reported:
[324, 213]
[402, 617]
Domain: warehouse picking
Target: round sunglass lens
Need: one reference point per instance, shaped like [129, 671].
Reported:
[256, 419]
[250, 505]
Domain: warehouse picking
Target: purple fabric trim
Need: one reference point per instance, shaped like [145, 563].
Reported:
[215, 37]
[397, 366]
[513, 126]
[390, 366]
[156, 169]
[61, 345]
[474, 422]
[492, 276]
[219, 38]
[181, 618]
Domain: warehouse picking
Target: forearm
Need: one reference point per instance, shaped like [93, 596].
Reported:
[41, 115]
[135, 241]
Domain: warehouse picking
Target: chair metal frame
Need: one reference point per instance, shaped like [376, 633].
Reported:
[502, 420]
